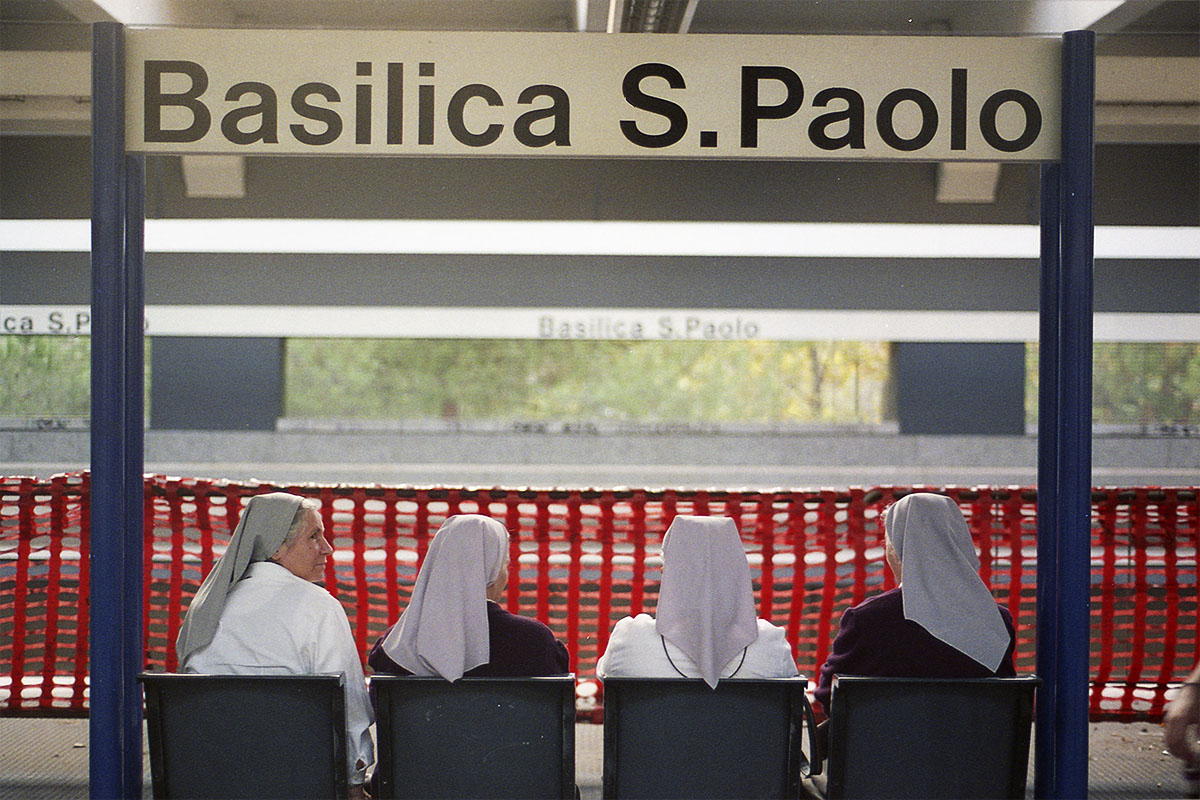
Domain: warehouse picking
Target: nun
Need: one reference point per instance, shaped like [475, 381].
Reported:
[260, 612]
[454, 626]
[940, 622]
[706, 626]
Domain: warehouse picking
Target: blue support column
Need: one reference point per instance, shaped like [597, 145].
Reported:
[115, 594]
[135, 416]
[1047, 502]
[106, 651]
[1075, 416]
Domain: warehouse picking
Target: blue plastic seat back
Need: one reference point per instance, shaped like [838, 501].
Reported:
[475, 738]
[260, 736]
[678, 738]
[929, 738]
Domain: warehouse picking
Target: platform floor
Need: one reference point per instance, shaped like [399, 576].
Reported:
[47, 759]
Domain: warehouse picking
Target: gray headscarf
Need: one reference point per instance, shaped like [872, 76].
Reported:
[259, 533]
[940, 582]
[706, 600]
[444, 630]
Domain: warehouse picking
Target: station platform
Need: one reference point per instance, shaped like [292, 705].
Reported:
[47, 759]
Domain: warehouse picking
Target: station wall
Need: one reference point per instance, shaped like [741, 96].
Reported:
[1144, 185]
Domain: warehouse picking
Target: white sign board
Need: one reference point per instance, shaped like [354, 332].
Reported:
[617, 324]
[584, 94]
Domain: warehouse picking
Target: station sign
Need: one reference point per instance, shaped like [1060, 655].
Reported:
[596, 324]
[319, 92]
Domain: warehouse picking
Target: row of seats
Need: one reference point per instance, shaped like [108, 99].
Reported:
[284, 736]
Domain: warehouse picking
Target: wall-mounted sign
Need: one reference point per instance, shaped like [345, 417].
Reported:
[566, 94]
[614, 324]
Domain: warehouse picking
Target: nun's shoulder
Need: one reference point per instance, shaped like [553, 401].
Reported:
[515, 624]
[634, 628]
[314, 596]
[885, 604]
[770, 631]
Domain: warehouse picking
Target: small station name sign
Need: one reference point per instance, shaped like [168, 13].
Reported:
[567, 94]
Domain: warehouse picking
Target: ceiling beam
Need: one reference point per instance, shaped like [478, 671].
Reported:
[214, 176]
[967, 181]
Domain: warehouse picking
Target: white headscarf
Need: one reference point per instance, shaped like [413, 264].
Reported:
[444, 631]
[259, 533]
[706, 600]
[940, 582]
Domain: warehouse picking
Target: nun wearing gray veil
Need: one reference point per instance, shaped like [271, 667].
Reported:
[260, 612]
[940, 622]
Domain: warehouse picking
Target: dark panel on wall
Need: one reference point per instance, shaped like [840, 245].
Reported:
[951, 388]
[592, 281]
[45, 278]
[1149, 184]
[1150, 285]
[620, 189]
[453, 280]
[45, 177]
[49, 177]
[215, 383]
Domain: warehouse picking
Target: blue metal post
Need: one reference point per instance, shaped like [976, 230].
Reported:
[108, 690]
[1075, 416]
[135, 313]
[1047, 498]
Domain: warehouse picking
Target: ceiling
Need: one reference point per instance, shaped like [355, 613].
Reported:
[1147, 75]
[1149, 50]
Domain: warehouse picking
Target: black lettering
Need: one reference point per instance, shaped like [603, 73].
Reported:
[156, 99]
[885, 122]
[425, 104]
[958, 109]
[853, 115]
[362, 105]
[752, 112]
[559, 110]
[987, 120]
[454, 115]
[674, 113]
[395, 103]
[55, 321]
[266, 108]
[300, 104]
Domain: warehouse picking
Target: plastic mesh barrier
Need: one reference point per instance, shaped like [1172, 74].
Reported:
[581, 560]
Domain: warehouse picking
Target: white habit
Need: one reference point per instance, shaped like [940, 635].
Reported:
[275, 623]
[636, 650]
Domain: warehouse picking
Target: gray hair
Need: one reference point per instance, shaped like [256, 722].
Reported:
[307, 506]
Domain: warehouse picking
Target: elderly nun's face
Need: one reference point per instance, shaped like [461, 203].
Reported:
[495, 592]
[890, 554]
[305, 556]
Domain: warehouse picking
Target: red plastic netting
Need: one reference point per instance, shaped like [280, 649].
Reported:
[583, 559]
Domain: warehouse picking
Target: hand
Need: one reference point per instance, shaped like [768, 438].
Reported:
[1182, 722]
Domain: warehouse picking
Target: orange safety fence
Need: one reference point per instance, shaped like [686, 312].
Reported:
[582, 559]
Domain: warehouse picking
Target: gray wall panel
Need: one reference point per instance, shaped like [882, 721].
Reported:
[600, 281]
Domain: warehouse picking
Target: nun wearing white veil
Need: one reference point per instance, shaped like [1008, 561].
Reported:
[940, 622]
[454, 625]
[706, 626]
[260, 612]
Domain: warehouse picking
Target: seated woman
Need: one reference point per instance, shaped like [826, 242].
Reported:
[706, 627]
[454, 625]
[260, 612]
[940, 622]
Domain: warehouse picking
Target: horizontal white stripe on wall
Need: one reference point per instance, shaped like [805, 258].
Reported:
[429, 322]
[484, 237]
